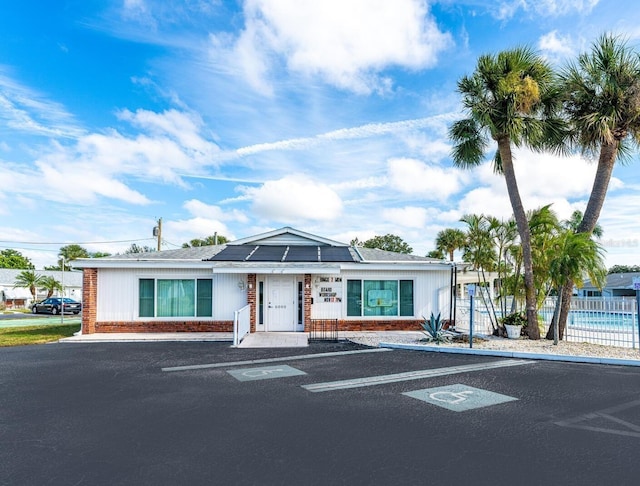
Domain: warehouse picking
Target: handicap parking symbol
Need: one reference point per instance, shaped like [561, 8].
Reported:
[459, 398]
[264, 373]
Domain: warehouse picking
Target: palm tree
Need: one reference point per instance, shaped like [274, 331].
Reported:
[480, 252]
[29, 279]
[450, 240]
[572, 224]
[511, 98]
[50, 284]
[574, 255]
[504, 235]
[602, 101]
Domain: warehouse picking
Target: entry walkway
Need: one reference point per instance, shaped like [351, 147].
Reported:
[275, 340]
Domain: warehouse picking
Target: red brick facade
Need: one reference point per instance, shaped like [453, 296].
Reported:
[307, 301]
[165, 326]
[380, 325]
[89, 300]
[251, 300]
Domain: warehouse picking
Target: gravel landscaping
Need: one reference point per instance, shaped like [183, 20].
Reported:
[543, 346]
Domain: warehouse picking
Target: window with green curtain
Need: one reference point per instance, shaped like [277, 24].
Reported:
[176, 298]
[146, 297]
[354, 297]
[379, 298]
[406, 297]
[205, 296]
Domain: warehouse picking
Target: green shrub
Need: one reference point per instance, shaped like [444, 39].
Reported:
[433, 328]
[515, 319]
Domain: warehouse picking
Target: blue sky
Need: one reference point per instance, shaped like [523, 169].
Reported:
[245, 116]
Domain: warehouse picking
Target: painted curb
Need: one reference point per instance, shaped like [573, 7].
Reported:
[514, 354]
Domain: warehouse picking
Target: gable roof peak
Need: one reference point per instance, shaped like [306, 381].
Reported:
[286, 236]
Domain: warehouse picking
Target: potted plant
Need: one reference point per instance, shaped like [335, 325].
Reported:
[513, 323]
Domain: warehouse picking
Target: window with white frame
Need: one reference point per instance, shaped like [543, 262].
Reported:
[175, 297]
[379, 298]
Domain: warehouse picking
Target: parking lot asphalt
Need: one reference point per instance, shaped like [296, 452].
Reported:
[126, 413]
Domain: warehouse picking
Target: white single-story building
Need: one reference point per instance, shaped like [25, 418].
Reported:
[617, 285]
[18, 297]
[286, 278]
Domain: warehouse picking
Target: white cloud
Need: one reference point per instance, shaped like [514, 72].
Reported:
[203, 210]
[188, 229]
[556, 47]
[431, 182]
[543, 179]
[99, 164]
[295, 198]
[408, 217]
[546, 8]
[25, 110]
[369, 130]
[348, 44]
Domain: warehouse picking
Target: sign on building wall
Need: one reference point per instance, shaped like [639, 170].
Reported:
[328, 289]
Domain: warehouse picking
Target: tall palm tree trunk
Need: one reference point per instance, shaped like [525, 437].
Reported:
[606, 162]
[504, 146]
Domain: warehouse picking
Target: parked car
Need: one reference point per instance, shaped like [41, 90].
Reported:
[52, 305]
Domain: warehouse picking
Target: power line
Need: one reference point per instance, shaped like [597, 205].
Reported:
[73, 242]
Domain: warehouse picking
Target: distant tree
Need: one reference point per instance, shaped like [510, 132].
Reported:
[100, 254]
[14, 259]
[439, 254]
[624, 269]
[356, 243]
[208, 241]
[70, 253]
[450, 240]
[29, 279]
[50, 284]
[139, 249]
[388, 242]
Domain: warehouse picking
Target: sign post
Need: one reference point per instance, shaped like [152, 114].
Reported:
[471, 290]
[636, 287]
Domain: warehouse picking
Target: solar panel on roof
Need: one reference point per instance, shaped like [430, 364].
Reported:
[233, 253]
[302, 254]
[268, 253]
[335, 254]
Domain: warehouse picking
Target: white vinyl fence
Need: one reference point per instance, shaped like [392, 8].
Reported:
[241, 324]
[609, 321]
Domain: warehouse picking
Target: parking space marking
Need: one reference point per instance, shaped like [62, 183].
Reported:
[459, 398]
[605, 421]
[264, 373]
[412, 375]
[273, 360]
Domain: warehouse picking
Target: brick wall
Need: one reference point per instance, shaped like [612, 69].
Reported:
[251, 300]
[89, 300]
[165, 326]
[380, 325]
[307, 302]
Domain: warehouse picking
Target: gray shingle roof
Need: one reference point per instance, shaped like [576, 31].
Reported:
[374, 254]
[71, 279]
[193, 253]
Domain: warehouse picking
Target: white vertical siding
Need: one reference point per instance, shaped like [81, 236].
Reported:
[118, 292]
[227, 296]
[431, 291]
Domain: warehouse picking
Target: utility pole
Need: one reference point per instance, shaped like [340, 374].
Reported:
[157, 231]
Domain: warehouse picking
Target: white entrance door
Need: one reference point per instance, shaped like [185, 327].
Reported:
[281, 303]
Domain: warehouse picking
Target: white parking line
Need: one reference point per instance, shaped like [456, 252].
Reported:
[272, 360]
[411, 375]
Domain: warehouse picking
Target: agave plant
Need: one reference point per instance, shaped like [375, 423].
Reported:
[433, 328]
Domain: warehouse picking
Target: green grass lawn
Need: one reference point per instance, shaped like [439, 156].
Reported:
[20, 336]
